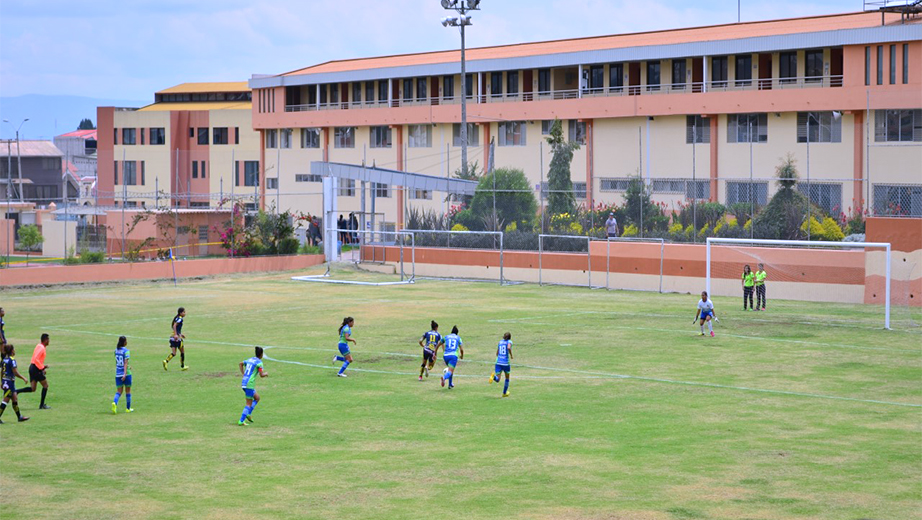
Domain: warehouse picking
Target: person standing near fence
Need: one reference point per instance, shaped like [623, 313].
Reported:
[611, 225]
[748, 284]
[760, 287]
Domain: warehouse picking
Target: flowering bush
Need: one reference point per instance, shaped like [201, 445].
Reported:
[831, 230]
[459, 227]
[630, 231]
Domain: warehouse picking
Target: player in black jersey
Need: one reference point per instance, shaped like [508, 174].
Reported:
[176, 341]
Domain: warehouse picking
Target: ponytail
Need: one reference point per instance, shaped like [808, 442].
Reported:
[122, 341]
[454, 330]
[434, 325]
[346, 321]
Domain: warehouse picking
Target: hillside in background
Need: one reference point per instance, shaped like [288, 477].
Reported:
[52, 115]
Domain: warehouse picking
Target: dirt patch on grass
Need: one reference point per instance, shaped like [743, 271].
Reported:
[212, 375]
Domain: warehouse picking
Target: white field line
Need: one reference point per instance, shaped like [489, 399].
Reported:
[601, 375]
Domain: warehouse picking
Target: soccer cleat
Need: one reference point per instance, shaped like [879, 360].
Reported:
[443, 382]
[249, 418]
[334, 359]
[426, 371]
[451, 386]
[420, 378]
[702, 333]
[184, 368]
[1, 422]
[23, 419]
[492, 379]
[164, 364]
[342, 375]
[506, 394]
[44, 407]
[712, 333]
[129, 410]
[114, 408]
[241, 423]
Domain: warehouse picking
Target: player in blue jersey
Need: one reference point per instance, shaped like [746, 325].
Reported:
[250, 368]
[705, 313]
[176, 340]
[345, 336]
[503, 357]
[453, 347]
[122, 375]
[430, 343]
[8, 375]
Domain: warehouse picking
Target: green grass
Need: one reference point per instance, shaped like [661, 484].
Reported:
[796, 413]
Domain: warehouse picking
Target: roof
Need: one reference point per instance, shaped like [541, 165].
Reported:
[202, 105]
[31, 149]
[663, 37]
[83, 134]
[214, 86]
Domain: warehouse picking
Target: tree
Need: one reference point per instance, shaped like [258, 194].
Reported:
[638, 207]
[473, 173]
[29, 237]
[560, 197]
[515, 201]
[86, 124]
[781, 219]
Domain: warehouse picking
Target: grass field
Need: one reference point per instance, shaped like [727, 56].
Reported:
[618, 409]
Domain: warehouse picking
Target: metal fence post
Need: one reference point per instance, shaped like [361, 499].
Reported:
[589, 259]
[540, 241]
[608, 261]
[662, 252]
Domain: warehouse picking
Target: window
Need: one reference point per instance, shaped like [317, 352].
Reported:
[191, 133]
[814, 66]
[880, 64]
[272, 138]
[272, 183]
[408, 89]
[697, 129]
[195, 169]
[903, 200]
[307, 177]
[596, 78]
[344, 137]
[697, 190]
[496, 84]
[285, 138]
[827, 195]
[219, 135]
[743, 70]
[356, 94]
[546, 126]
[142, 174]
[893, 64]
[818, 127]
[512, 133]
[469, 86]
[51, 163]
[512, 82]
[905, 63]
[747, 128]
[202, 168]
[577, 131]
[420, 194]
[544, 81]
[383, 93]
[251, 173]
[142, 136]
[420, 136]
[380, 191]
[897, 125]
[310, 138]
[738, 191]
[473, 134]
[334, 92]
[867, 65]
[130, 173]
[448, 87]
[203, 136]
[615, 77]
[607, 184]
[115, 172]
[379, 136]
[157, 136]
[653, 75]
[236, 135]
[668, 186]
[678, 74]
[128, 136]
[787, 67]
[421, 89]
[719, 71]
[579, 190]
[346, 188]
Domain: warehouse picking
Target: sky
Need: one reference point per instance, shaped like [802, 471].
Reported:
[128, 49]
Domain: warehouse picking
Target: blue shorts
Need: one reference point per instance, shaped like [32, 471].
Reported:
[249, 392]
[119, 382]
[451, 361]
[501, 368]
[705, 314]
[344, 349]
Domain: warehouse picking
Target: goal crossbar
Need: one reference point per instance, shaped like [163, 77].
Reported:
[449, 233]
[805, 243]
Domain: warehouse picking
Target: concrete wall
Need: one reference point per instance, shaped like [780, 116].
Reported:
[56, 233]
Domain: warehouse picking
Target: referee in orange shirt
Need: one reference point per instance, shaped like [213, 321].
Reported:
[37, 371]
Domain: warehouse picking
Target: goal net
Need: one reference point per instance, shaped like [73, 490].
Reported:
[802, 271]
[630, 263]
[365, 257]
[460, 255]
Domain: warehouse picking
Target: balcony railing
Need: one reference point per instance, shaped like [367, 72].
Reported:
[730, 85]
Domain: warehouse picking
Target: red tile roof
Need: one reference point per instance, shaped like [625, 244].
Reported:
[85, 134]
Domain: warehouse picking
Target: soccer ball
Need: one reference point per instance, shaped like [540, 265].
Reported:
[445, 372]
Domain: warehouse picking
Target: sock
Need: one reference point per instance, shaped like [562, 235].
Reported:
[450, 375]
[182, 359]
[422, 369]
[343, 369]
[2, 408]
[496, 376]
[44, 393]
[253, 407]
[246, 411]
[506, 386]
[710, 326]
[128, 400]
[168, 358]
[117, 395]
[25, 390]
[702, 329]
[16, 409]
[340, 358]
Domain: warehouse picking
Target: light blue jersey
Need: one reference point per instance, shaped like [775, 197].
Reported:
[121, 361]
[502, 351]
[452, 344]
[250, 370]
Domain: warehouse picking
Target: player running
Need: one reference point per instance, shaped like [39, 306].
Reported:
[37, 371]
[503, 355]
[430, 343]
[176, 341]
[705, 313]
[345, 336]
[122, 375]
[453, 346]
[8, 375]
[249, 368]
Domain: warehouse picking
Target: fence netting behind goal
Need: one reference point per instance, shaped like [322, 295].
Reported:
[484, 261]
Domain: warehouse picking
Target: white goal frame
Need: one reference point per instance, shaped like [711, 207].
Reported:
[804, 243]
[334, 253]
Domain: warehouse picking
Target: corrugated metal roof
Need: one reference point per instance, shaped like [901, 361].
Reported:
[85, 134]
[203, 105]
[31, 149]
[214, 86]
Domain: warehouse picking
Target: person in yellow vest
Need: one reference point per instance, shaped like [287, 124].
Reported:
[748, 284]
[760, 287]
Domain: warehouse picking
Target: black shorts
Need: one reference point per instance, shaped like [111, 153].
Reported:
[428, 355]
[36, 375]
[175, 344]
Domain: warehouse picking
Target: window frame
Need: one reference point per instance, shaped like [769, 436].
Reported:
[344, 137]
[518, 131]
[380, 136]
[220, 135]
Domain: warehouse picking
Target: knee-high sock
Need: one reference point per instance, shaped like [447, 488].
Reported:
[25, 390]
[451, 376]
[506, 386]
[345, 365]
[702, 328]
[710, 326]
[182, 359]
[117, 396]
[422, 369]
[16, 409]
[128, 401]
[340, 358]
[2, 408]
[44, 393]
[246, 411]
[171, 356]
[253, 406]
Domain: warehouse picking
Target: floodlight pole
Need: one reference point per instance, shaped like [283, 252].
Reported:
[462, 7]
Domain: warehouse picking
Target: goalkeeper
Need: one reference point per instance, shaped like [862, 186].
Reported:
[705, 313]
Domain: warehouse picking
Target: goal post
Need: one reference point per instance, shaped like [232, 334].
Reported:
[806, 270]
[451, 239]
[634, 243]
[361, 245]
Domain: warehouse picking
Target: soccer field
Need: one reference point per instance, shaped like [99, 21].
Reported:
[618, 408]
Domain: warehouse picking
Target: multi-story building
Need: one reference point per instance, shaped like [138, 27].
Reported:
[705, 113]
[44, 178]
[79, 149]
[193, 144]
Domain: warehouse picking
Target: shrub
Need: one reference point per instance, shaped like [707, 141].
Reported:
[832, 231]
[718, 229]
[459, 227]
[675, 229]
[91, 257]
[308, 249]
[70, 258]
[704, 231]
[466, 219]
[855, 224]
[288, 246]
[742, 211]
[630, 231]
[515, 200]
[817, 232]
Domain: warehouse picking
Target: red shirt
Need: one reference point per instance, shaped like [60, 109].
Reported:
[38, 356]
